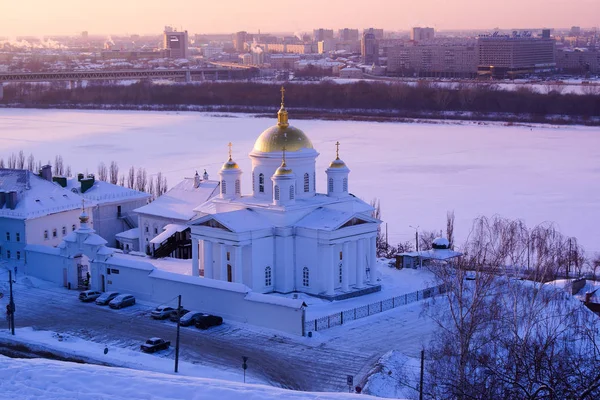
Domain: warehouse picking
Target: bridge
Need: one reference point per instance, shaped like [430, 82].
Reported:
[188, 75]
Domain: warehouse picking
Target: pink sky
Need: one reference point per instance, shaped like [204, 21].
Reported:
[39, 17]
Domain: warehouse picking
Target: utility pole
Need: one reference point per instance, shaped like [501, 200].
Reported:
[386, 238]
[244, 366]
[570, 256]
[177, 338]
[421, 378]
[11, 305]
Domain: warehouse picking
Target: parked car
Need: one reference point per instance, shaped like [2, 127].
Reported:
[161, 312]
[173, 316]
[106, 298]
[206, 321]
[191, 318]
[154, 344]
[89, 295]
[122, 300]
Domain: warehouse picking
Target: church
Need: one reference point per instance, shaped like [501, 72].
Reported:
[283, 236]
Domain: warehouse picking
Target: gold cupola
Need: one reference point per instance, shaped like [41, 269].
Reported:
[337, 163]
[283, 134]
[283, 168]
[230, 164]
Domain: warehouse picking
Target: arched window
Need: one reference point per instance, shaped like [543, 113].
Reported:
[345, 184]
[261, 183]
[238, 188]
[305, 277]
[223, 187]
[292, 192]
[73, 228]
[330, 187]
[268, 280]
[253, 183]
[314, 181]
[306, 183]
[276, 192]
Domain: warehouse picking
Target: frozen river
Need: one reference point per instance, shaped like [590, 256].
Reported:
[419, 171]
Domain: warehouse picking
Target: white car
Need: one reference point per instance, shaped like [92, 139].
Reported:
[161, 312]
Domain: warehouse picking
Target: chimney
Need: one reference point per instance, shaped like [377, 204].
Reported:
[11, 200]
[205, 175]
[46, 172]
[196, 180]
[79, 177]
[87, 183]
[588, 297]
[2, 198]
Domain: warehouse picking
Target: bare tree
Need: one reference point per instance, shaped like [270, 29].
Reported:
[426, 239]
[1, 162]
[68, 172]
[114, 172]
[141, 180]
[31, 163]
[131, 178]
[151, 190]
[122, 180]
[12, 161]
[102, 172]
[450, 228]
[21, 160]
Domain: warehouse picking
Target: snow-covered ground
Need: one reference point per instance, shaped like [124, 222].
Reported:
[418, 170]
[55, 380]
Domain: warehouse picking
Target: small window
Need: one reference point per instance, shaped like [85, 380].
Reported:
[305, 277]
[292, 192]
[330, 187]
[261, 183]
[64, 230]
[18, 236]
[341, 256]
[107, 271]
[223, 187]
[238, 188]
[18, 255]
[46, 235]
[306, 183]
[114, 271]
[345, 184]
[147, 229]
[73, 227]
[7, 253]
[268, 280]
[155, 230]
[8, 236]
[276, 192]
[228, 256]
[54, 233]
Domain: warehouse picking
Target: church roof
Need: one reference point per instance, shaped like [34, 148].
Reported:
[180, 201]
[105, 192]
[236, 221]
[329, 219]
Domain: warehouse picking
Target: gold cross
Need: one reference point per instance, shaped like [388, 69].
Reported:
[229, 145]
[282, 95]
[337, 150]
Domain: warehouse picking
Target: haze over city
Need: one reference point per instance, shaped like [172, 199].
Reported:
[41, 17]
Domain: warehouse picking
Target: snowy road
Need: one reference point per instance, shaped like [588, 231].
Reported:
[318, 364]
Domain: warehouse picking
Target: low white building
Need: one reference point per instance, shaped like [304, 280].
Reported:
[283, 236]
[34, 210]
[351, 73]
[174, 208]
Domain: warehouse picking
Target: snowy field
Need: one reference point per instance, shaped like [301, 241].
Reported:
[418, 170]
[55, 380]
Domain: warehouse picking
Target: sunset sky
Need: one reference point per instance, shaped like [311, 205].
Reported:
[39, 17]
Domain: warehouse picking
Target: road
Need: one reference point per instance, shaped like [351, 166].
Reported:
[310, 364]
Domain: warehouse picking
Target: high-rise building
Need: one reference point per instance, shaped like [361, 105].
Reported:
[239, 39]
[348, 35]
[175, 42]
[369, 49]
[377, 32]
[446, 60]
[575, 31]
[513, 55]
[418, 34]
[322, 34]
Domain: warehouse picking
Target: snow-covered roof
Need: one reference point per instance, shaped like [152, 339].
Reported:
[180, 201]
[441, 242]
[237, 221]
[129, 234]
[105, 192]
[433, 254]
[36, 197]
[168, 231]
[330, 219]
[196, 280]
[95, 240]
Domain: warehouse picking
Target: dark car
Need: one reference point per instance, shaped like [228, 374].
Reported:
[122, 300]
[106, 298]
[191, 318]
[89, 295]
[154, 344]
[206, 321]
[173, 316]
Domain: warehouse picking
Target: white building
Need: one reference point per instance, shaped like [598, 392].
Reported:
[283, 236]
[169, 213]
[114, 205]
[34, 210]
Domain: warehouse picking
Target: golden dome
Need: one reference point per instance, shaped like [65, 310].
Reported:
[337, 163]
[283, 170]
[274, 138]
[230, 164]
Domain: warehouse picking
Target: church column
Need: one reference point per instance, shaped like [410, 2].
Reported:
[345, 269]
[360, 262]
[330, 270]
[223, 260]
[238, 265]
[373, 261]
[208, 259]
[195, 261]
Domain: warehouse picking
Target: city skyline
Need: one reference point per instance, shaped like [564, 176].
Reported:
[69, 17]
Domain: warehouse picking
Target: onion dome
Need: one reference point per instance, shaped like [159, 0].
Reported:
[230, 164]
[337, 163]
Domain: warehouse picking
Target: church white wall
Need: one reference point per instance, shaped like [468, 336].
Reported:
[268, 165]
[308, 256]
[263, 255]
